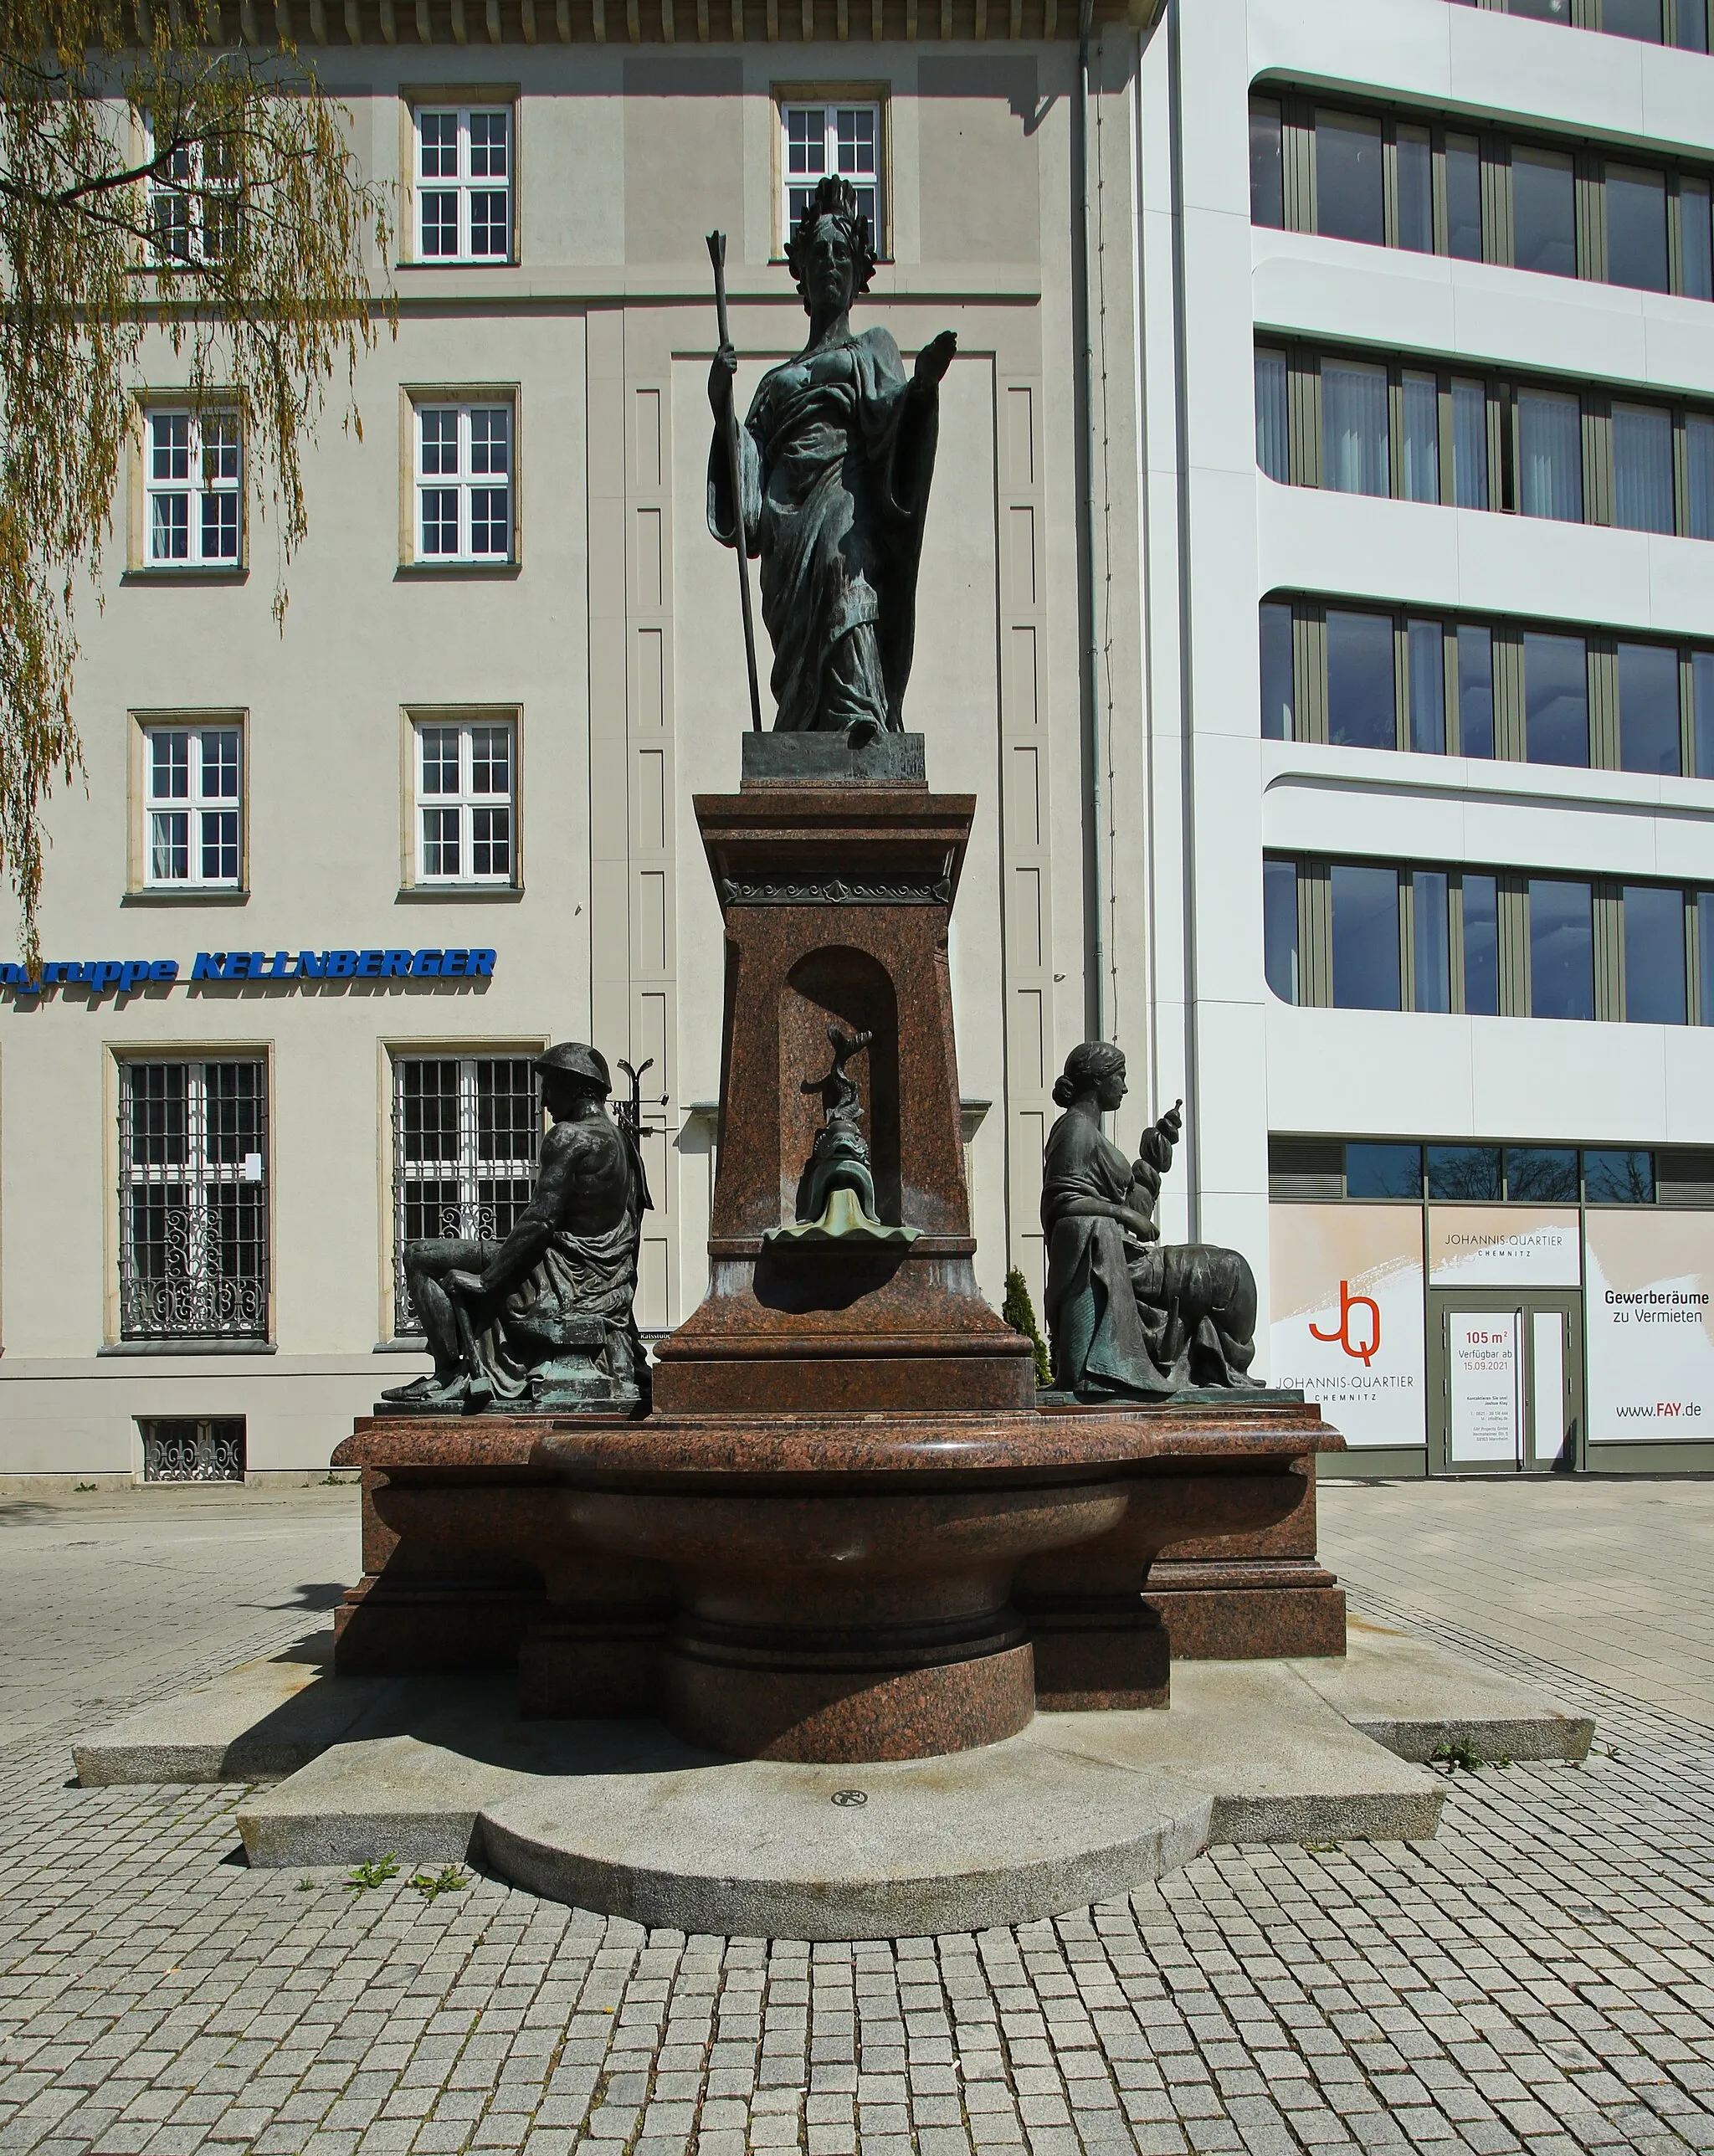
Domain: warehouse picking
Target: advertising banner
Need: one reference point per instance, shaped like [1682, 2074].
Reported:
[1503, 1247]
[1347, 1316]
[1481, 1347]
[1649, 1313]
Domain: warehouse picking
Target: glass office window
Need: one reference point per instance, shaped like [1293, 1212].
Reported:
[1647, 708]
[1550, 479]
[1636, 228]
[1360, 688]
[1469, 445]
[1642, 468]
[1475, 691]
[1705, 954]
[1279, 928]
[1615, 1176]
[1562, 949]
[1465, 1172]
[1542, 1175]
[1702, 689]
[1699, 477]
[1541, 11]
[1278, 721]
[1365, 936]
[1543, 212]
[1654, 955]
[1415, 190]
[1555, 697]
[1481, 945]
[1426, 669]
[1632, 19]
[1348, 196]
[1421, 433]
[1463, 197]
[1431, 954]
[1271, 437]
[1692, 33]
[1696, 258]
[1354, 459]
[1267, 172]
[1383, 1171]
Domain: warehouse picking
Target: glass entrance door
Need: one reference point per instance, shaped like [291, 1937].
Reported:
[1506, 1392]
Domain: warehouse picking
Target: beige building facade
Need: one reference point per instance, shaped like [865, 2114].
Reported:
[447, 812]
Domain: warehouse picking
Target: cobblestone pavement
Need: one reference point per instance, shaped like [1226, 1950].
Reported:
[1537, 1978]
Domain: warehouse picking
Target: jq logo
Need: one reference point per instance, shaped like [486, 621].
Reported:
[1361, 1351]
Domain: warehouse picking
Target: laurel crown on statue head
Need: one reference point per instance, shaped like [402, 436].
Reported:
[834, 198]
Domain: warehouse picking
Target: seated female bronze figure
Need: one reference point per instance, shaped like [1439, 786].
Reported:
[1129, 1316]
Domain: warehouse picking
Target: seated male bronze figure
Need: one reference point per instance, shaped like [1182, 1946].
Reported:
[1129, 1316]
[544, 1319]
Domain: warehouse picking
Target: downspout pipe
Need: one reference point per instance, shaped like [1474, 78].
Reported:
[1096, 1001]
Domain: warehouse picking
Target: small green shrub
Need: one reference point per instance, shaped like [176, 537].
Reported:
[1019, 1313]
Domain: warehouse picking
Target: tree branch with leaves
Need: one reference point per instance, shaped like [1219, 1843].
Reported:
[155, 186]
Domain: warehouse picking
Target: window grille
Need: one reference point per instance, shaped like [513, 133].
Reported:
[179, 1448]
[465, 781]
[463, 482]
[195, 786]
[191, 478]
[464, 185]
[193, 1200]
[820, 139]
[465, 1133]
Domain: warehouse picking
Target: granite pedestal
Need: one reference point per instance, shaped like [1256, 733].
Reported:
[847, 1532]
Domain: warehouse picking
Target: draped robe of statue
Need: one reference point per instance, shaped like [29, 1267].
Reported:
[1127, 1316]
[837, 452]
[576, 1277]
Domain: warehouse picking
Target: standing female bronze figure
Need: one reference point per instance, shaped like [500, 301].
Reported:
[837, 455]
[1127, 1314]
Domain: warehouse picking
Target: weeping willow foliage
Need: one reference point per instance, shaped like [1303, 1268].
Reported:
[154, 183]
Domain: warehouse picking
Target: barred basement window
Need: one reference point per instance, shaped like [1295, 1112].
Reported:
[465, 1133]
[178, 1449]
[193, 1200]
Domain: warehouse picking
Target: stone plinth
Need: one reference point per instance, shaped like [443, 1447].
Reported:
[834, 1587]
[836, 899]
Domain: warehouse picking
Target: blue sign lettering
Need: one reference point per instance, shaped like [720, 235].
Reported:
[127, 977]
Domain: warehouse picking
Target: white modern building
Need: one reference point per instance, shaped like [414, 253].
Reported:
[1315, 596]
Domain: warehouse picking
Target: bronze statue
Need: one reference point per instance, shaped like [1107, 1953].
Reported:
[836, 457]
[544, 1318]
[1128, 1315]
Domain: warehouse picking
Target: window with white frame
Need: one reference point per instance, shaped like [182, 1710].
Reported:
[466, 786]
[819, 139]
[463, 184]
[463, 482]
[192, 806]
[193, 208]
[466, 1132]
[193, 485]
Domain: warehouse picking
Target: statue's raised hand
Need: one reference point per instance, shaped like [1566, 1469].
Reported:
[934, 359]
[722, 372]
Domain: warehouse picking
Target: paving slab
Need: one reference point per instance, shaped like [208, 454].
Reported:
[622, 1818]
[1414, 1697]
[1277, 1763]
[263, 1720]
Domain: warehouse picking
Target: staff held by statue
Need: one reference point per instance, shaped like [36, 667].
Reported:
[717, 255]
